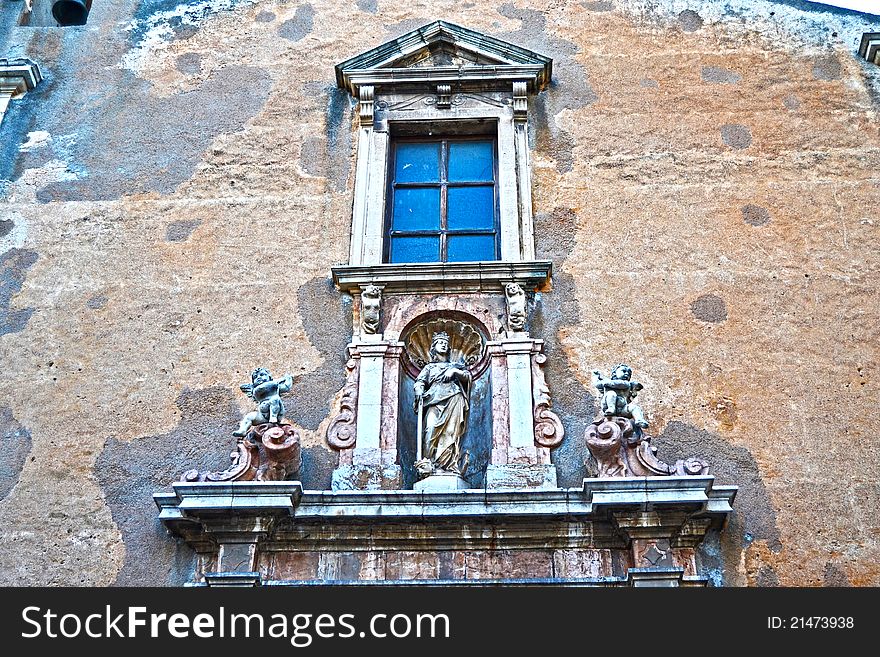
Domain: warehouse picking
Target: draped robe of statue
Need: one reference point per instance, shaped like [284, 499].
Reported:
[446, 408]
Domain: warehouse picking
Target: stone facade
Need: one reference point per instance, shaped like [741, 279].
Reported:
[176, 194]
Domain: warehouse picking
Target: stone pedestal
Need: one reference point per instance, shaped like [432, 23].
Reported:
[441, 482]
[521, 475]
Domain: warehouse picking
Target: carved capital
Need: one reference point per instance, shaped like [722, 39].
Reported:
[366, 94]
[342, 430]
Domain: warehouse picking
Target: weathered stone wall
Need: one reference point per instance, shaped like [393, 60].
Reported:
[176, 190]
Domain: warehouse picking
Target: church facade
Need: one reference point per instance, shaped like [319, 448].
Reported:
[578, 295]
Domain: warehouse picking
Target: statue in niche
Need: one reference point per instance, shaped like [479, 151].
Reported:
[266, 392]
[618, 393]
[371, 300]
[516, 306]
[442, 402]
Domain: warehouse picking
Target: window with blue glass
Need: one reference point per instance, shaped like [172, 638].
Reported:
[443, 201]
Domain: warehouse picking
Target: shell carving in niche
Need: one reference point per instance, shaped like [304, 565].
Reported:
[466, 345]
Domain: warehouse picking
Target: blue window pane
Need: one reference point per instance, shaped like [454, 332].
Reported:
[416, 208]
[467, 248]
[470, 207]
[415, 249]
[418, 162]
[471, 160]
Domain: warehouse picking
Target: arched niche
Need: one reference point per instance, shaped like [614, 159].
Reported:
[468, 340]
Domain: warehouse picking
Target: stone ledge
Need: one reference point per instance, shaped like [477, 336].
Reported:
[459, 277]
[693, 495]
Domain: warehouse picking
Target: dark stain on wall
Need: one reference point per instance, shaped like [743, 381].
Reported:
[598, 5]
[827, 68]
[265, 17]
[300, 26]
[569, 89]
[572, 401]
[189, 63]
[15, 445]
[767, 576]
[709, 308]
[181, 229]
[96, 302]
[129, 472]
[690, 21]
[736, 136]
[6, 226]
[791, 102]
[13, 268]
[132, 144]
[834, 575]
[330, 156]
[327, 322]
[369, 6]
[718, 75]
[753, 516]
[755, 215]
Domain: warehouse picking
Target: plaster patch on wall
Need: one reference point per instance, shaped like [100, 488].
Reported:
[792, 22]
[159, 22]
[15, 446]
[569, 89]
[35, 139]
[130, 471]
[151, 153]
[753, 518]
[13, 269]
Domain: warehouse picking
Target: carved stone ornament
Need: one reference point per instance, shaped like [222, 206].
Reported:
[466, 345]
[516, 306]
[371, 307]
[548, 427]
[269, 452]
[621, 451]
[342, 430]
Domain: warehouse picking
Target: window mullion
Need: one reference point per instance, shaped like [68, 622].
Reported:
[444, 167]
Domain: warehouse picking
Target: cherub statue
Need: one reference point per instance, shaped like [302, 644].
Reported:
[266, 392]
[618, 393]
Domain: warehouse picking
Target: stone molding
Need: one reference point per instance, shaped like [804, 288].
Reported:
[457, 277]
[644, 531]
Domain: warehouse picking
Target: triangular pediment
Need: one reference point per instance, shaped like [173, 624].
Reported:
[446, 48]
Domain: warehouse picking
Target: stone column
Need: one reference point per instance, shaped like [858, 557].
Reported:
[370, 462]
[520, 403]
